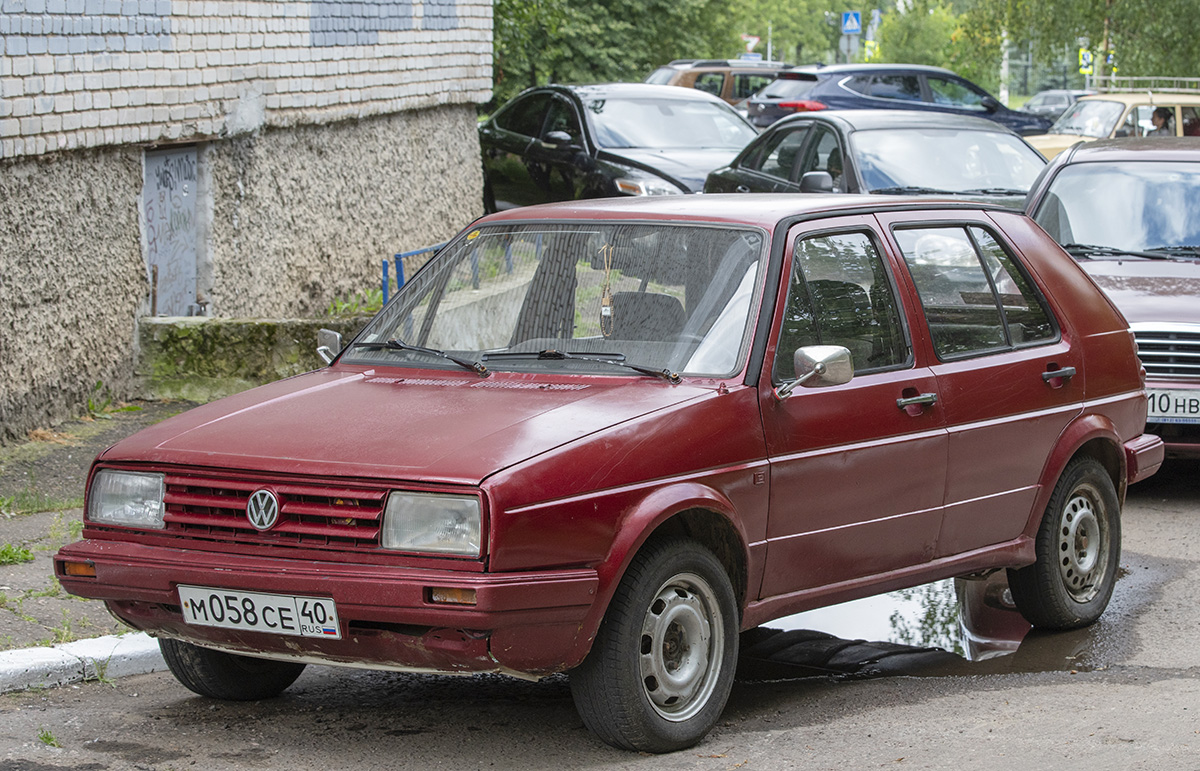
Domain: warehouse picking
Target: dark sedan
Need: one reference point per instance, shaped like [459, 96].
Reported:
[883, 87]
[562, 143]
[884, 151]
[1129, 211]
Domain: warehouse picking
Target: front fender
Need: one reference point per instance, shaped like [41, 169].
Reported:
[639, 522]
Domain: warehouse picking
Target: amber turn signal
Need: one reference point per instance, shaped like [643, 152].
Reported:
[452, 596]
[79, 569]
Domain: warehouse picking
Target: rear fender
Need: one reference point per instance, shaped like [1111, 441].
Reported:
[638, 524]
[1090, 434]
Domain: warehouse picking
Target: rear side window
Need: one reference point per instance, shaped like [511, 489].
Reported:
[841, 295]
[976, 298]
[710, 82]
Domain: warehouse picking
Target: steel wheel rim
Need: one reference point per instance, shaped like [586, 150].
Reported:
[681, 647]
[1082, 545]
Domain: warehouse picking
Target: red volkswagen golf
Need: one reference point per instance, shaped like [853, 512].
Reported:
[603, 438]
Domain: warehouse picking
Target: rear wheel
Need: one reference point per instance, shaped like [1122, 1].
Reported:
[661, 667]
[1078, 547]
[227, 676]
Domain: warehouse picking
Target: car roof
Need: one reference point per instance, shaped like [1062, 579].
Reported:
[867, 120]
[835, 69]
[761, 209]
[1135, 149]
[683, 64]
[641, 90]
[1142, 97]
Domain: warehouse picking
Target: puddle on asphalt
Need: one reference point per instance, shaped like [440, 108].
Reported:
[951, 627]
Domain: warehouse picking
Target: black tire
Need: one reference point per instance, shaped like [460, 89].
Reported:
[662, 664]
[1078, 548]
[227, 676]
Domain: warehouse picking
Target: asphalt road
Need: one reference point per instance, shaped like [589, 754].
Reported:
[1123, 694]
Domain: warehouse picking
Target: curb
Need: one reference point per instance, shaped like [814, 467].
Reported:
[98, 658]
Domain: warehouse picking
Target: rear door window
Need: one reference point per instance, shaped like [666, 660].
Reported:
[976, 298]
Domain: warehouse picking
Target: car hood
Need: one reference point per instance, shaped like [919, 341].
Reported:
[404, 425]
[1050, 145]
[689, 166]
[1150, 290]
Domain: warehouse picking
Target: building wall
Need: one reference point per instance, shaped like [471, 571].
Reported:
[327, 137]
[88, 73]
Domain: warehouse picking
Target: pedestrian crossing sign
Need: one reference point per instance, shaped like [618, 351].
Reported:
[851, 22]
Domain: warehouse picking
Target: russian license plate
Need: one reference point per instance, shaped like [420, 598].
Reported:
[272, 613]
[1174, 406]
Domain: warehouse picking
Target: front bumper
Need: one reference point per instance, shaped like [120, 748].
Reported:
[521, 623]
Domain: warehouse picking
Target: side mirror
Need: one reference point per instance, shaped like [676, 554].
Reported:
[558, 139]
[990, 104]
[329, 345]
[819, 366]
[816, 182]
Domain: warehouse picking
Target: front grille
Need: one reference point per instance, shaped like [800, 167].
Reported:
[1167, 352]
[311, 515]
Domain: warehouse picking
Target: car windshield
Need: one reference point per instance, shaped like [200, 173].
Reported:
[1089, 118]
[1132, 206]
[598, 297]
[659, 123]
[950, 160]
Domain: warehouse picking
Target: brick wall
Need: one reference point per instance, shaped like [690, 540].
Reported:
[90, 73]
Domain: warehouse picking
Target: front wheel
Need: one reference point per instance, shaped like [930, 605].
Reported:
[1078, 547]
[662, 665]
[227, 676]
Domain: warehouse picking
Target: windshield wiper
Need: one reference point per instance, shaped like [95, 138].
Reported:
[600, 358]
[995, 191]
[1184, 251]
[1077, 250]
[400, 345]
[913, 190]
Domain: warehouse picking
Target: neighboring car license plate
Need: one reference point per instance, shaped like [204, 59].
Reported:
[273, 613]
[1174, 406]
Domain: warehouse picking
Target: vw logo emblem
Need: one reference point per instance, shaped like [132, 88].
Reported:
[262, 509]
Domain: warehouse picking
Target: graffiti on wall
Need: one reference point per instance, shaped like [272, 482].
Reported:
[171, 230]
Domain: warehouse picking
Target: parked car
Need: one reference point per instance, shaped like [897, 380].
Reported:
[604, 437]
[884, 151]
[561, 143]
[1051, 102]
[1129, 211]
[882, 86]
[733, 80]
[1115, 115]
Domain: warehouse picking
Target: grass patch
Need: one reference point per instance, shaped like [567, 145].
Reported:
[47, 738]
[11, 554]
[31, 501]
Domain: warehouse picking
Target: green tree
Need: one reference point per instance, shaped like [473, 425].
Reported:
[922, 32]
[800, 31]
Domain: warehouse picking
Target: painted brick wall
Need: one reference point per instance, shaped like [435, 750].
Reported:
[89, 73]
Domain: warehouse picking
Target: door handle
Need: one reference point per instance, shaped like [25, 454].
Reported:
[1057, 378]
[742, 189]
[916, 402]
